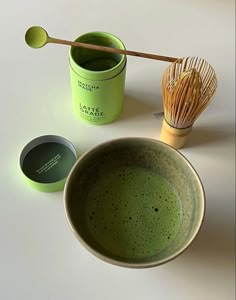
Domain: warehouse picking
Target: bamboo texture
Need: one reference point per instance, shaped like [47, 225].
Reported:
[113, 50]
[188, 86]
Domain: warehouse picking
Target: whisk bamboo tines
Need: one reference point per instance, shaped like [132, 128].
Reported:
[188, 87]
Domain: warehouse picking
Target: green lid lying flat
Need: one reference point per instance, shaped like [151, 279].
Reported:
[46, 162]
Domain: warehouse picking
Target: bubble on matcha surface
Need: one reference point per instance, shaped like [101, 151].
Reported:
[133, 212]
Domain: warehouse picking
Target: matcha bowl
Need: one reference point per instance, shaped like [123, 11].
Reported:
[134, 202]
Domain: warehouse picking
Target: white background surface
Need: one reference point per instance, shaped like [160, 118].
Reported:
[39, 256]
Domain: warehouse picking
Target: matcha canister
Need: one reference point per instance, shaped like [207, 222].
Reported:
[97, 79]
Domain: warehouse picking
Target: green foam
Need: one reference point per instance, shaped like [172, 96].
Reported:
[132, 212]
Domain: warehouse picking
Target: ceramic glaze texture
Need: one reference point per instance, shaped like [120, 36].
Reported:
[134, 202]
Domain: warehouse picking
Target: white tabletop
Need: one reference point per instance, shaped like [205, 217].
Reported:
[39, 256]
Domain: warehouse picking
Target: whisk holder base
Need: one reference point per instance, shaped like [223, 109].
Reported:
[175, 137]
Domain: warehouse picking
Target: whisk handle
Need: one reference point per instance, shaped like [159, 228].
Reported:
[175, 137]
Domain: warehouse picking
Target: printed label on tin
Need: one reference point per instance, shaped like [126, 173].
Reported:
[91, 113]
[49, 165]
[88, 87]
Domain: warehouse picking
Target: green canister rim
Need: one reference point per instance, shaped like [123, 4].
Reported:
[98, 75]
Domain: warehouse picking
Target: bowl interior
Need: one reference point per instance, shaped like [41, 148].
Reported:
[134, 202]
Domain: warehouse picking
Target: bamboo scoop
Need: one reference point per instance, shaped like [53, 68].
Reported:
[188, 88]
[37, 37]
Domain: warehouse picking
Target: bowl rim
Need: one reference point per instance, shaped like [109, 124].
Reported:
[118, 262]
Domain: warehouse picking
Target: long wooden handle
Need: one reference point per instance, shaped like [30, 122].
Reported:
[112, 50]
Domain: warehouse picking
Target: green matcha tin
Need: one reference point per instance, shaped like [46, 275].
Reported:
[97, 79]
[46, 162]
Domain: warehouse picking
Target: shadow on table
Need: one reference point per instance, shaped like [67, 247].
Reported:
[214, 246]
[211, 251]
[207, 267]
[135, 107]
[205, 135]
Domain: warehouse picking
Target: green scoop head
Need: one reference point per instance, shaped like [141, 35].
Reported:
[36, 37]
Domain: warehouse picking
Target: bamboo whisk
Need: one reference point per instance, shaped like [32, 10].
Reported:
[187, 86]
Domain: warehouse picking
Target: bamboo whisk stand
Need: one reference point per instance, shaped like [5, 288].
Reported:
[187, 86]
[174, 136]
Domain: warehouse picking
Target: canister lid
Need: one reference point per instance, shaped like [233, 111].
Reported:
[46, 162]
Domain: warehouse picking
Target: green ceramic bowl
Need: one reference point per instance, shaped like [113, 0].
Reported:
[134, 202]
